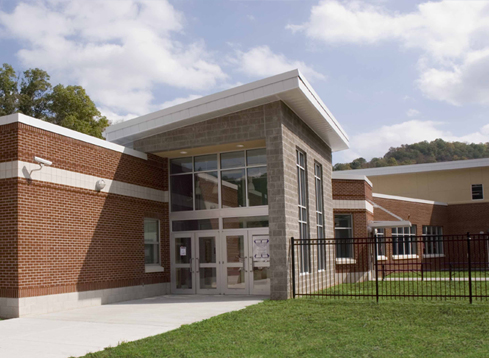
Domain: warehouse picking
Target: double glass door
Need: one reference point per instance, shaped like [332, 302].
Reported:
[225, 262]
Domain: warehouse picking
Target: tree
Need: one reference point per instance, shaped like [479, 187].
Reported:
[72, 108]
[8, 90]
[34, 90]
[33, 95]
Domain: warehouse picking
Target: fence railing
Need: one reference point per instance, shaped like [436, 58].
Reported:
[403, 266]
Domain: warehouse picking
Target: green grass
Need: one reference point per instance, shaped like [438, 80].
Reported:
[443, 274]
[438, 288]
[326, 328]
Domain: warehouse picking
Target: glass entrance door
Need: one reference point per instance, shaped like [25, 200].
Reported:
[183, 280]
[228, 262]
[206, 260]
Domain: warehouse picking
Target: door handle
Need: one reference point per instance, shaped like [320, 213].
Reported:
[197, 264]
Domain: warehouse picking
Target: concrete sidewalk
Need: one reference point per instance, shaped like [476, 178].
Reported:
[78, 332]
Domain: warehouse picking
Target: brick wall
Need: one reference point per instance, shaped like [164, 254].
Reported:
[351, 190]
[59, 239]
[472, 218]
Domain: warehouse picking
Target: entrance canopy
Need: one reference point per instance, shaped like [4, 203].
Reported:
[290, 87]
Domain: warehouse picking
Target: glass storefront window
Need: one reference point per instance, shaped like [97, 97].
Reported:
[205, 162]
[233, 192]
[181, 165]
[182, 194]
[257, 186]
[206, 191]
[256, 157]
[229, 180]
[233, 160]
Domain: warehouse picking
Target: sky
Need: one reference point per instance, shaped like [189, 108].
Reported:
[392, 72]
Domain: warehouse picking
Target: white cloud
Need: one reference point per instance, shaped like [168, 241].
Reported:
[453, 37]
[118, 50]
[261, 61]
[377, 142]
[412, 112]
[176, 101]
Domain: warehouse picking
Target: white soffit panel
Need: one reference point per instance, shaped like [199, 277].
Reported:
[290, 87]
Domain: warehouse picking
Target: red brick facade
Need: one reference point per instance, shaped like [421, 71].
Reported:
[59, 239]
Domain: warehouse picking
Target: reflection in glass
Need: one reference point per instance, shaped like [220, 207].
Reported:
[194, 225]
[207, 250]
[206, 191]
[181, 192]
[261, 278]
[256, 156]
[236, 278]
[235, 248]
[257, 186]
[245, 222]
[208, 278]
[183, 250]
[233, 188]
[205, 162]
[181, 165]
[232, 160]
[184, 278]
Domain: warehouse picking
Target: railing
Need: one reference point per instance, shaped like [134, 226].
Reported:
[404, 266]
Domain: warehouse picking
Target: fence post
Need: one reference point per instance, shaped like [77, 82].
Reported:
[470, 267]
[376, 258]
[293, 266]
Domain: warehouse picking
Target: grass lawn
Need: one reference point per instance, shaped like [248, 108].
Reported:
[443, 274]
[415, 287]
[326, 328]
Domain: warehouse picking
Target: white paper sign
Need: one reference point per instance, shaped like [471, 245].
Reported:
[261, 252]
[183, 251]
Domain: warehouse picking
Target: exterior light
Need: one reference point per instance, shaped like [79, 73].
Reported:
[99, 185]
[240, 146]
[183, 152]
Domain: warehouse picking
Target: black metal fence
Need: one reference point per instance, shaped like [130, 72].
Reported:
[403, 266]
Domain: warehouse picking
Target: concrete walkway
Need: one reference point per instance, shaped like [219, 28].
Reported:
[80, 331]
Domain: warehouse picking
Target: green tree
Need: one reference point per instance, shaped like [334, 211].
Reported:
[8, 90]
[72, 108]
[33, 95]
[34, 91]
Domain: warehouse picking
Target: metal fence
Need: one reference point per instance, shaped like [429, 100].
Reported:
[402, 266]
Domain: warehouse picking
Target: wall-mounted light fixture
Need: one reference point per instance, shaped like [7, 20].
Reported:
[99, 185]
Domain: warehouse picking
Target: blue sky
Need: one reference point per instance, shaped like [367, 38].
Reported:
[392, 72]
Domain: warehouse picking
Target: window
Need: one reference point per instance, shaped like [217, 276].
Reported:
[302, 206]
[343, 233]
[226, 180]
[318, 179]
[404, 241]
[151, 241]
[433, 240]
[381, 252]
[245, 222]
[477, 192]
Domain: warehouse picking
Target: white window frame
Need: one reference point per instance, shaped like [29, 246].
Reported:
[482, 191]
[345, 260]
[430, 233]
[301, 164]
[154, 267]
[321, 248]
[381, 243]
[404, 233]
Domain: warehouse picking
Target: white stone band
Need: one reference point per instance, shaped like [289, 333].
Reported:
[353, 204]
[20, 169]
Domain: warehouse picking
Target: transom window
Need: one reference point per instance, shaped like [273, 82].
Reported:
[433, 240]
[343, 233]
[404, 240]
[318, 178]
[151, 241]
[213, 181]
[477, 192]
